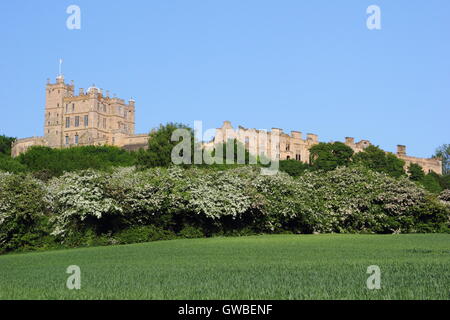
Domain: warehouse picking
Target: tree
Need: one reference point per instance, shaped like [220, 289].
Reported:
[160, 146]
[5, 145]
[329, 156]
[416, 172]
[239, 151]
[11, 165]
[431, 182]
[293, 168]
[378, 160]
[444, 153]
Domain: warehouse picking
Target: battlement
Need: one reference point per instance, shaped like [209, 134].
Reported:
[292, 146]
[89, 118]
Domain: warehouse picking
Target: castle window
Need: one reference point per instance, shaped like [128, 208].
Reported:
[67, 140]
[86, 121]
[76, 139]
[298, 157]
[67, 108]
[77, 121]
[73, 106]
[288, 147]
[67, 122]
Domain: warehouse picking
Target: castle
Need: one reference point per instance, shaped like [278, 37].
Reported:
[294, 147]
[89, 118]
[94, 118]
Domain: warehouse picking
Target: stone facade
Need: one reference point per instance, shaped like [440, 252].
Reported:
[294, 147]
[89, 118]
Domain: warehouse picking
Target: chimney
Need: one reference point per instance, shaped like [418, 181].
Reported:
[296, 135]
[312, 137]
[401, 150]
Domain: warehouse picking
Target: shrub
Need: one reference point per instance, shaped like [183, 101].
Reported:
[191, 232]
[23, 219]
[144, 234]
[445, 196]
[293, 168]
[80, 202]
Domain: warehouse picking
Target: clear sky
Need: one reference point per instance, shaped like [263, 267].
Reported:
[306, 65]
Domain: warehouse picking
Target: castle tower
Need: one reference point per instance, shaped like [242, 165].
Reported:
[54, 110]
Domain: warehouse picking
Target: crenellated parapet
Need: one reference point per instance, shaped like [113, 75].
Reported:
[294, 147]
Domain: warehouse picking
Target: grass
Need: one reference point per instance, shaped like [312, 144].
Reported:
[260, 267]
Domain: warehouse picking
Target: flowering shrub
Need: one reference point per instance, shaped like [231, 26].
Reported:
[192, 201]
[22, 211]
[445, 196]
[78, 197]
[351, 199]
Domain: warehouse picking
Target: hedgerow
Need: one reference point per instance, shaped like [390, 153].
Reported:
[127, 205]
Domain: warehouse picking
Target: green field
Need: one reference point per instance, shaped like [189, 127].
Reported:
[260, 267]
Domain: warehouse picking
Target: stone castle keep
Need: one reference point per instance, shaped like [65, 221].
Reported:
[89, 118]
[94, 118]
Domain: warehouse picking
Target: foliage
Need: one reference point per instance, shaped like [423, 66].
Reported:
[160, 146]
[126, 205]
[191, 232]
[445, 196]
[5, 145]
[49, 162]
[80, 201]
[293, 168]
[431, 182]
[329, 156]
[143, 234]
[8, 164]
[240, 153]
[23, 219]
[416, 172]
[444, 153]
[378, 160]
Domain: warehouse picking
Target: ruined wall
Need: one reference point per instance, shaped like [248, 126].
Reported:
[294, 147]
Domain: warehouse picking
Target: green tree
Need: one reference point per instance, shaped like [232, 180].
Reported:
[5, 145]
[293, 168]
[444, 153]
[11, 165]
[48, 162]
[431, 182]
[160, 146]
[416, 172]
[329, 156]
[238, 149]
[378, 160]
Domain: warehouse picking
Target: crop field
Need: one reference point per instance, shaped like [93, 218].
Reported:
[259, 267]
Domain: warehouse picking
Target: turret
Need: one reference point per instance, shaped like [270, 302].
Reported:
[401, 150]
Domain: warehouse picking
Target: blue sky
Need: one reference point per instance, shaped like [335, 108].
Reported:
[311, 66]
